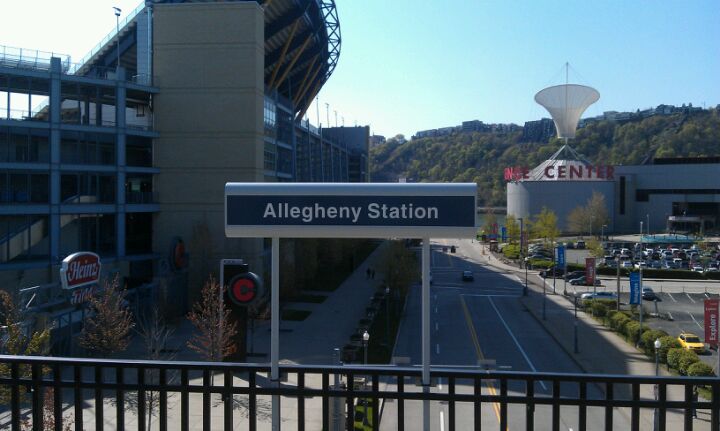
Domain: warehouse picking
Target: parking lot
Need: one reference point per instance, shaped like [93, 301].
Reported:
[680, 305]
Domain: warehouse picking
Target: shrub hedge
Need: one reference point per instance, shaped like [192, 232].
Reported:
[700, 369]
[686, 359]
[599, 309]
[667, 343]
[647, 339]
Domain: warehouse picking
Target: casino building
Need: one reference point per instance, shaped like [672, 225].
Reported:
[671, 194]
[126, 153]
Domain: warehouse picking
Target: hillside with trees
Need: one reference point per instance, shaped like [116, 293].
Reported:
[481, 157]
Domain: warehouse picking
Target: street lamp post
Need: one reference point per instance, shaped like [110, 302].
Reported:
[117, 34]
[387, 315]
[575, 328]
[366, 338]
[640, 287]
[656, 418]
[522, 255]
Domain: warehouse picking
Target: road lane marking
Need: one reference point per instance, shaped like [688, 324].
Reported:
[671, 297]
[517, 343]
[437, 349]
[436, 326]
[690, 298]
[693, 318]
[478, 351]
[442, 421]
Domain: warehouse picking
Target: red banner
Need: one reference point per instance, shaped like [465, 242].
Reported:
[711, 321]
[590, 270]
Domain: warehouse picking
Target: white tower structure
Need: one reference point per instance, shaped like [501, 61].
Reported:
[566, 103]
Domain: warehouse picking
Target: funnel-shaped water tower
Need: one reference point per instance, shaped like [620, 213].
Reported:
[566, 103]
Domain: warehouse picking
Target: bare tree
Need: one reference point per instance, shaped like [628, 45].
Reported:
[211, 318]
[107, 328]
[155, 333]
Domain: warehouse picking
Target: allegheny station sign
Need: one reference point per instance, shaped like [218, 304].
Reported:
[358, 210]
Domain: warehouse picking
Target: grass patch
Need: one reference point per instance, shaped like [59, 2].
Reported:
[295, 315]
[384, 330]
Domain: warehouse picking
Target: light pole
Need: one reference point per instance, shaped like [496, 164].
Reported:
[366, 338]
[522, 255]
[117, 34]
[602, 233]
[640, 287]
[575, 328]
[387, 315]
[656, 418]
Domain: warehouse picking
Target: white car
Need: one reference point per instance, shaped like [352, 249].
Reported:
[698, 268]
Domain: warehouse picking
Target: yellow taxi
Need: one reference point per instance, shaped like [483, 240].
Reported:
[692, 342]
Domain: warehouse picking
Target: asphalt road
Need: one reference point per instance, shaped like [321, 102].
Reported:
[482, 324]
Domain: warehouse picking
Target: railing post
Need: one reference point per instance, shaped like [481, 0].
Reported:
[162, 408]
[141, 407]
[477, 404]
[609, 409]
[556, 406]
[401, 402]
[715, 413]
[688, 407]
[349, 402]
[228, 400]
[252, 402]
[503, 404]
[184, 401]
[99, 419]
[662, 398]
[206, 400]
[582, 408]
[78, 398]
[119, 399]
[451, 404]
[301, 401]
[530, 406]
[15, 396]
[57, 397]
[635, 410]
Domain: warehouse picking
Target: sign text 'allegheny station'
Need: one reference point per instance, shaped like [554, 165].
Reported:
[360, 210]
[311, 213]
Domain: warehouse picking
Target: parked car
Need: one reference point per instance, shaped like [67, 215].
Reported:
[573, 275]
[582, 281]
[549, 272]
[649, 295]
[598, 295]
[698, 268]
[692, 342]
[468, 276]
[580, 244]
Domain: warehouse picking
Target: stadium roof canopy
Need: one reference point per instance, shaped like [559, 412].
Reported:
[302, 47]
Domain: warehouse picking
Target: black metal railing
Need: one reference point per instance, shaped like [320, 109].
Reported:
[50, 393]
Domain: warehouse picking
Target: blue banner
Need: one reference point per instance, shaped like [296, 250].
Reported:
[635, 293]
[560, 256]
[503, 232]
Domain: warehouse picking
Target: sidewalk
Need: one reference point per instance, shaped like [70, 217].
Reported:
[601, 351]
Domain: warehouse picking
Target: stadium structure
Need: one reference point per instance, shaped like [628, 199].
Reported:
[126, 153]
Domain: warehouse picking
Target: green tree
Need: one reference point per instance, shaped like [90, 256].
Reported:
[399, 267]
[589, 217]
[545, 227]
[513, 229]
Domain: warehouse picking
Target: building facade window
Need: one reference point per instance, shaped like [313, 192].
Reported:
[23, 187]
[269, 116]
[87, 187]
[87, 148]
[87, 232]
[24, 145]
[270, 156]
[24, 238]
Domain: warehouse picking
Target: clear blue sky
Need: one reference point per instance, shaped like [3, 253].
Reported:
[408, 65]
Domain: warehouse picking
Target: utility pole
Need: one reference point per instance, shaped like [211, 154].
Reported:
[117, 34]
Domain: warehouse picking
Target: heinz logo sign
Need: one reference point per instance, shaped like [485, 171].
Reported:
[80, 269]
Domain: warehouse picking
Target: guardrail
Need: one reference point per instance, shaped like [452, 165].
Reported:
[94, 393]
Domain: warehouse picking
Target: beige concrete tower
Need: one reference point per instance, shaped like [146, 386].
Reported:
[208, 60]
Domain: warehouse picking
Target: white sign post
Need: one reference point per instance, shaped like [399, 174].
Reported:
[349, 210]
